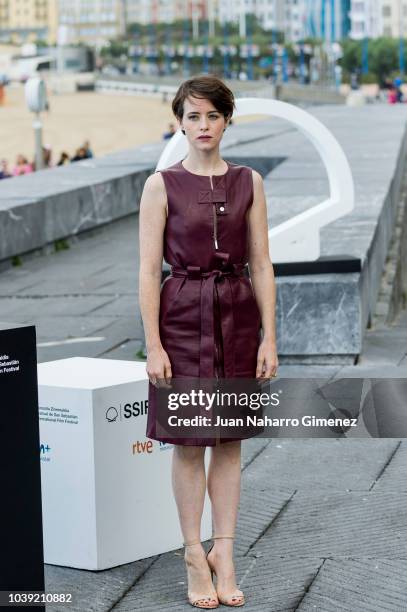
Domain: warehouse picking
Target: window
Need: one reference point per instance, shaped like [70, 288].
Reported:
[387, 31]
[386, 11]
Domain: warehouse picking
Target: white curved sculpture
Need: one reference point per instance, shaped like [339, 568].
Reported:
[297, 239]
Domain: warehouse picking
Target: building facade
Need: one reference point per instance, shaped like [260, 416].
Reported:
[22, 21]
[394, 18]
[328, 19]
[91, 21]
[97, 21]
[365, 17]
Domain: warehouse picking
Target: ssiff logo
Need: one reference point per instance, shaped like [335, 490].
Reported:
[126, 411]
[44, 452]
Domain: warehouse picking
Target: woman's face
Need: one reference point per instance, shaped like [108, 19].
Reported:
[203, 124]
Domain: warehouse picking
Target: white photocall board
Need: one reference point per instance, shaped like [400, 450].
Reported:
[106, 488]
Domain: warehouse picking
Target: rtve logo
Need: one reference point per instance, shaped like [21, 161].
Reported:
[126, 411]
[140, 448]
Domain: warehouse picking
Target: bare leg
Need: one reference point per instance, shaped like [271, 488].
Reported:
[224, 491]
[189, 486]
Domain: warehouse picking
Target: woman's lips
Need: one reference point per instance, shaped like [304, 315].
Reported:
[204, 137]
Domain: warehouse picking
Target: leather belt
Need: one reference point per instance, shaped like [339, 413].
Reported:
[224, 289]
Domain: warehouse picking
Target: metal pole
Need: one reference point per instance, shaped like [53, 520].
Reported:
[168, 35]
[333, 21]
[323, 19]
[242, 22]
[195, 20]
[285, 65]
[205, 66]
[249, 54]
[39, 158]
[211, 19]
[186, 44]
[226, 70]
[365, 55]
[401, 42]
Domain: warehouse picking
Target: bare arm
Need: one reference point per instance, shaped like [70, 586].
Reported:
[262, 275]
[152, 224]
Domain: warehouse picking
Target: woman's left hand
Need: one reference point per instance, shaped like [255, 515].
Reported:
[267, 360]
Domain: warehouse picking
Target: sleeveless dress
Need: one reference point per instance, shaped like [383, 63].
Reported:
[209, 320]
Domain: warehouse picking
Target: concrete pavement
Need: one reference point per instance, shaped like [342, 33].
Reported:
[322, 523]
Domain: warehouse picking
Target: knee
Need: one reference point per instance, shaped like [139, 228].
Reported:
[227, 450]
[192, 455]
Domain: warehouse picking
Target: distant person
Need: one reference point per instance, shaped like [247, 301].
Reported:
[392, 95]
[79, 155]
[47, 156]
[89, 152]
[64, 159]
[21, 166]
[4, 171]
[398, 82]
[170, 133]
[354, 81]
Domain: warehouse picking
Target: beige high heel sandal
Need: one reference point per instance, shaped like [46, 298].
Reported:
[234, 600]
[207, 603]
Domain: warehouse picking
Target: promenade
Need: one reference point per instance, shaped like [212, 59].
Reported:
[110, 122]
[322, 524]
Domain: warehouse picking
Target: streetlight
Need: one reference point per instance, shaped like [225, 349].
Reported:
[36, 98]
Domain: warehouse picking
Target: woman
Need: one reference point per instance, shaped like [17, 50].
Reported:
[22, 166]
[208, 218]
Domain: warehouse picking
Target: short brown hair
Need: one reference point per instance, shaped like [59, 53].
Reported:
[208, 87]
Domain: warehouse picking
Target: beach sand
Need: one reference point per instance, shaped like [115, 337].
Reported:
[110, 122]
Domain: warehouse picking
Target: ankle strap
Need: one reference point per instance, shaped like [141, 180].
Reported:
[221, 537]
[192, 543]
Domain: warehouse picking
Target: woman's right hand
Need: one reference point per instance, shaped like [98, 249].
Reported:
[158, 367]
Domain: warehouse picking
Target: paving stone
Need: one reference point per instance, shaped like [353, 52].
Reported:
[273, 585]
[384, 346]
[259, 507]
[350, 585]
[128, 350]
[63, 305]
[339, 524]
[93, 591]
[110, 335]
[394, 474]
[319, 464]
[373, 371]
[251, 448]
[119, 306]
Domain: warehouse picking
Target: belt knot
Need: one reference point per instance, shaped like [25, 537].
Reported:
[207, 339]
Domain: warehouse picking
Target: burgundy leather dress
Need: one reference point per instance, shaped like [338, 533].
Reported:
[209, 319]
